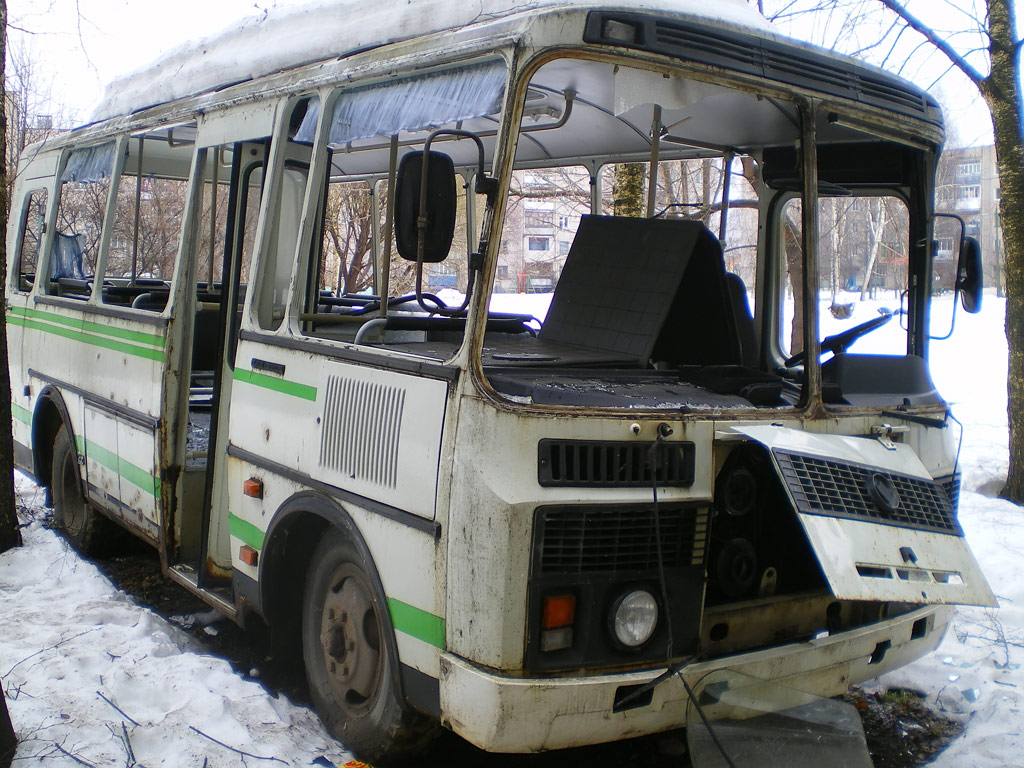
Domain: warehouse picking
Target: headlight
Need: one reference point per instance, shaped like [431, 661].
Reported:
[634, 617]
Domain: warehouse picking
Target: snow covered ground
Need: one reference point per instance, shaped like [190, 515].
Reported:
[93, 679]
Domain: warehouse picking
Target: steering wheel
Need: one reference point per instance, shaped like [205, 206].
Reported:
[840, 341]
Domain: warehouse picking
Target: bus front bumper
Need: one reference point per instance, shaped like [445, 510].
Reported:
[511, 714]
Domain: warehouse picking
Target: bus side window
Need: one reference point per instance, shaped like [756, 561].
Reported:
[81, 209]
[148, 212]
[33, 225]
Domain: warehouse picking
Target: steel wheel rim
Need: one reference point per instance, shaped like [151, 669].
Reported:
[72, 507]
[350, 639]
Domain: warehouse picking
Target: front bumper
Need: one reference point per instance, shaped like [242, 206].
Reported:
[509, 714]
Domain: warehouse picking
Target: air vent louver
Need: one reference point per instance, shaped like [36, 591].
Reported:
[595, 463]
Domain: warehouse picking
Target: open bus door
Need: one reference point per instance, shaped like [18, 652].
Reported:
[221, 248]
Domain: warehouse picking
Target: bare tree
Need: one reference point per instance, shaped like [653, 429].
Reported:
[996, 26]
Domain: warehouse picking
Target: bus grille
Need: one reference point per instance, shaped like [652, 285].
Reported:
[573, 540]
[824, 487]
[951, 484]
[362, 426]
[594, 463]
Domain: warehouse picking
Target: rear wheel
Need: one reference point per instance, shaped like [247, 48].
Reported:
[349, 651]
[74, 518]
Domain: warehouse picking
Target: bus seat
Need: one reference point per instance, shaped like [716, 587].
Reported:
[619, 282]
[743, 319]
[701, 328]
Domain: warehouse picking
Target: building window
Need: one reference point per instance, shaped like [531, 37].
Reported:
[563, 222]
[563, 247]
[538, 219]
[970, 168]
[970, 192]
[539, 243]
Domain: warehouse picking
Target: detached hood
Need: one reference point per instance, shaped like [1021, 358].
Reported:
[880, 525]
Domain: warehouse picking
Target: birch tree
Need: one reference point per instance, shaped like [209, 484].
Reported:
[993, 66]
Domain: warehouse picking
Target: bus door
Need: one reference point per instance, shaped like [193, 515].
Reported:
[222, 244]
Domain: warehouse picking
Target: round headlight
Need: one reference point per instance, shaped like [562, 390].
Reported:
[634, 617]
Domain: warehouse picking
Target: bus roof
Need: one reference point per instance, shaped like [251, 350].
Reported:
[284, 39]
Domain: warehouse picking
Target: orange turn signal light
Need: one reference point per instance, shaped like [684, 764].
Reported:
[248, 555]
[559, 611]
[253, 487]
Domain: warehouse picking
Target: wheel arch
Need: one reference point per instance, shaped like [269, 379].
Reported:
[294, 532]
[50, 413]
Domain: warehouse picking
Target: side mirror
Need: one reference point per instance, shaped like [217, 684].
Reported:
[441, 203]
[969, 275]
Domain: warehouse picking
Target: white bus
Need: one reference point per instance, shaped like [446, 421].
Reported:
[466, 345]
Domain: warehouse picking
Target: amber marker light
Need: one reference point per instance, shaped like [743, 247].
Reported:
[248, 555]
[559, 612]
[253, 487]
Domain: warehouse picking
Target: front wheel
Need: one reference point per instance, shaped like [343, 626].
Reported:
[351, 663]
[74, 518]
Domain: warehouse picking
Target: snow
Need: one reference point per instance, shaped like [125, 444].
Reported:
[285, 38]
[69, 638]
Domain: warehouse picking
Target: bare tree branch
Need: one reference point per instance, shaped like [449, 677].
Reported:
[942, 45]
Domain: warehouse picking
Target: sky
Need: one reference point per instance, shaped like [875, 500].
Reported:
[77, 46]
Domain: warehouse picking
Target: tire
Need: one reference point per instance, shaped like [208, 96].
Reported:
[73, 516]
[348, 646]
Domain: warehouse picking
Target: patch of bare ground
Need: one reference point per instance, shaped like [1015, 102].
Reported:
[902, 729]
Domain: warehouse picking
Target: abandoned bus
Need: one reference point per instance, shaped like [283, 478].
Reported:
[482, 350]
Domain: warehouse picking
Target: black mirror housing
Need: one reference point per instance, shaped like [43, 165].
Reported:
[969, 280]
[441, 204]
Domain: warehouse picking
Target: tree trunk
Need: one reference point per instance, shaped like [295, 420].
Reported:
[877, 230]
[8, 739]
[10, 536]
[628, 190]
[1003, 94]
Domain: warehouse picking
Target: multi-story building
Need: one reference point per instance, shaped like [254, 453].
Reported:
[969, 186]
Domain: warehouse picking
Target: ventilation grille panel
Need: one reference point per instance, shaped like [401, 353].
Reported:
[603, 464]
[574, 540]
[764, 58]
[825, 487]
[362, 427]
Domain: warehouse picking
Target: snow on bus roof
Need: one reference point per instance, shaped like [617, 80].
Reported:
[324, 29]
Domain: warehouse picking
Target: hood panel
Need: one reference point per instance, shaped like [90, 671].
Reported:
[880, 526]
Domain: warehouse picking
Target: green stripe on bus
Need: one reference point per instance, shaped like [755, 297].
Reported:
[98, 341]
[99, 328]
[133, 474]
[417, 623]
[24, 415]
[293, 388]
[246, 531]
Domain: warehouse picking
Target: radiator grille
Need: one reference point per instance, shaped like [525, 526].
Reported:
[951, 484]
[361, 427]
[822, 486]
[587, 463]
[572, 540]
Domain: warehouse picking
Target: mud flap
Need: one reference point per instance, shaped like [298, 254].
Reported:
[765, 725]
[879, 524]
